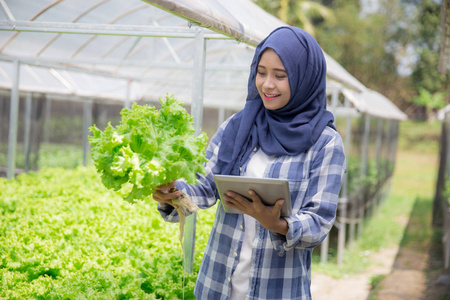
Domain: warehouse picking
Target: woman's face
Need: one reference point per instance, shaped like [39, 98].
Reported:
[272, 81]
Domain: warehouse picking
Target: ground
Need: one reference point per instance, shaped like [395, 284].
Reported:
[409, 272]
[352, 287]
[413, 269]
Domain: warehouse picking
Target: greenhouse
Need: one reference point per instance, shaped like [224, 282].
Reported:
[66, 65]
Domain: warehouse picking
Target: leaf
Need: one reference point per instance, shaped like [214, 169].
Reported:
[148, 148]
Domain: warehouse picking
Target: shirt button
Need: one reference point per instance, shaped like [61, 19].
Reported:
[229, 279]
[240, 169]
[242, 227]
[235, 254]
[255, 149]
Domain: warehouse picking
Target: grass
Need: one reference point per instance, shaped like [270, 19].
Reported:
[411, 197]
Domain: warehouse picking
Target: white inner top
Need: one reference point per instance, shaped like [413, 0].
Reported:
[240, 278]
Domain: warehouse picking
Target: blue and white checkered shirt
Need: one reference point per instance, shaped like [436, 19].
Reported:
[281, 265]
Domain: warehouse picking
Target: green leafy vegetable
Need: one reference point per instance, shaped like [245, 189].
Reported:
[63, 235]
[148, 148]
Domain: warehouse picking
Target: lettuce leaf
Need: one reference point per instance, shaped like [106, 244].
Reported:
[148, 148]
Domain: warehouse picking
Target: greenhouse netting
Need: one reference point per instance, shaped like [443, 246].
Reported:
[66, 64]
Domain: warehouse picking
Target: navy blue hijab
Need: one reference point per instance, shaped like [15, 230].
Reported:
[289, 130]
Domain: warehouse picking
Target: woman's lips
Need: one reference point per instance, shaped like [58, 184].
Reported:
[270, 97]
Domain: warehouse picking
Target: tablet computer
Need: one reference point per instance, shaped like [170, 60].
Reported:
[270, 190]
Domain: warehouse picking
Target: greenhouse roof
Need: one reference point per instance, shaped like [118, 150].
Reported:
[136, 50]
[374, 104]
[444, 113]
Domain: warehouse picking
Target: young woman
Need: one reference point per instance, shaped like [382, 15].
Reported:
[284, 131]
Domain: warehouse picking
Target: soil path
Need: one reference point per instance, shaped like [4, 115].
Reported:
[358, 287]
[412, 272]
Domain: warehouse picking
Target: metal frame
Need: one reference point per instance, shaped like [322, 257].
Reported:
[93, 67]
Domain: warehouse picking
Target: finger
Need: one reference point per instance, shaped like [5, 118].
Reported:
[256, 199]
[167, 187]
[279, 204]
[234, 200]
[164, 196]
[234, 195]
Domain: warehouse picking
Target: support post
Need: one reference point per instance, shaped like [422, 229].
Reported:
[26, 137]
[47, 113]
[127, 96]
[197, 114]
[344, 195]
[364, 169]
[324, 250]
[13, 121]
[87, 120]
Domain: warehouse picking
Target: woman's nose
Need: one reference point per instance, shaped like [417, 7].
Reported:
[269, 82]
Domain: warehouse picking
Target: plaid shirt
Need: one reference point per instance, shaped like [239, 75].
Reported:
[281, 265]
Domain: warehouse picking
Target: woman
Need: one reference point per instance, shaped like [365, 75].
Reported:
[284, 131]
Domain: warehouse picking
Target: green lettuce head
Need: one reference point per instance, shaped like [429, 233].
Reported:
[147, 149]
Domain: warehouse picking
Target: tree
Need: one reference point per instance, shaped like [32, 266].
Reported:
[427, 41]
[371, 45]
[303, 14]
[359, 44]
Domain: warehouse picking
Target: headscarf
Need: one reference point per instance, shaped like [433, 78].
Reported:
[289, 130]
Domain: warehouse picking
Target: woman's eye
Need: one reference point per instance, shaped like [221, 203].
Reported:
[281, 76]
[261, 73]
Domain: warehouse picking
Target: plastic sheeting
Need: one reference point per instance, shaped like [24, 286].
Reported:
[244, 21]
[444, 113]
[131, 50]
[374, 104]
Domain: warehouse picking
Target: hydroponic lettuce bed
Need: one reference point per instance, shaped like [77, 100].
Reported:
[64, 236]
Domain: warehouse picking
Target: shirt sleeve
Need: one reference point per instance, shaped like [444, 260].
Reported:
[309, 227]
[204, 194]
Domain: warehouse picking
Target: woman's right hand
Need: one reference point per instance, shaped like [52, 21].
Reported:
[165, 193]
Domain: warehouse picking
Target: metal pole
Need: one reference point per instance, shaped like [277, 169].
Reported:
[13, 121]
[26, 138]
[324, 249]
[127, 96]
[197, 114]
[389, 141]
[221, 118]
[365, 145]
[48, 103]
[344, 197]
[379, 142]
[334, 100]
[364, 169]
[326, 242]
[87, 120]
[198, 81]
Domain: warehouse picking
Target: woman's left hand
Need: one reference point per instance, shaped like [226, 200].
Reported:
[268, 216]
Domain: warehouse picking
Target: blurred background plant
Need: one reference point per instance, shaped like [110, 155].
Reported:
[390, 46]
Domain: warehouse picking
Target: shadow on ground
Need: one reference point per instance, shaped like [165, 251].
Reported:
[418, 272]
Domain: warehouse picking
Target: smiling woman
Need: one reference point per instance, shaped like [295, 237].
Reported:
[285, 132]
[272, 81]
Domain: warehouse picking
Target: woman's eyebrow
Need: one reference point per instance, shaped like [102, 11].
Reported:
[276, 69]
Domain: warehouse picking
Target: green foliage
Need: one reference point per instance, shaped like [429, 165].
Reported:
[427, 41]
[148, 148]
[64, 236]
[359, 44]
[372, 46]
[430, 100]
[426, 75]
[303, 14]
